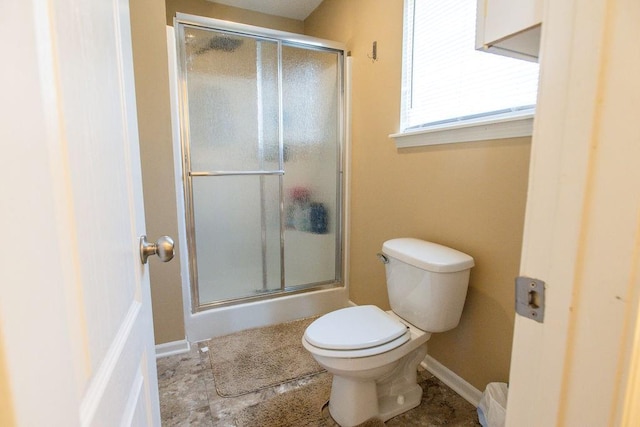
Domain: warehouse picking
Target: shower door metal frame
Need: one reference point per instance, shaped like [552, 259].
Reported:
[282, 39]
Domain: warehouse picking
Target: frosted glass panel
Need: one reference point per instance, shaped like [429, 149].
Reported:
[232, 85]
[311, 95]
[261, 127]
[230, 215]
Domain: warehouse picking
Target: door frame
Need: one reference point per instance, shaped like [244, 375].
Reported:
[582, 224]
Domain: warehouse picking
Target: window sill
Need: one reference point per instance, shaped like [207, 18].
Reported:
[500, 127]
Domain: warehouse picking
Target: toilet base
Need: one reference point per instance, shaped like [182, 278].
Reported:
[356, 400]
[390, 406]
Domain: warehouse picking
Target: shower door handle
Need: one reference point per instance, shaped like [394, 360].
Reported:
[163, 247]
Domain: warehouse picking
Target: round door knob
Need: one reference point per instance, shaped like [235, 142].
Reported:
[163, 247]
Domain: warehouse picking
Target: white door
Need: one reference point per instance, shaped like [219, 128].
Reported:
[76, 341]
[582, 227]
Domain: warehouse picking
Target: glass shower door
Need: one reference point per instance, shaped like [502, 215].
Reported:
[311, 108]
[234, 163]
[262, 139]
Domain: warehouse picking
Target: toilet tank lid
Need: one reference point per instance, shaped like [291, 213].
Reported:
[427, 255]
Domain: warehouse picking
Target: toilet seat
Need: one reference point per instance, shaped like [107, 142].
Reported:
[355, 332]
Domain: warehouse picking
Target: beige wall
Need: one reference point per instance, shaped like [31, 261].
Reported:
[148, 32]
[234, 14]
[469, 196]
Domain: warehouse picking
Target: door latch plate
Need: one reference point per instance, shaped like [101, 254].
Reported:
[530, 298]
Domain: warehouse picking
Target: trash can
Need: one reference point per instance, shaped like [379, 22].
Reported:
[493, 405]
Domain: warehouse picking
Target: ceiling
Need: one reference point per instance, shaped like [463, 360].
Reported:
[295, 9]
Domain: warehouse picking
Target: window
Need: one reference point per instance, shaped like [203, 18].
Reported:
[447, 84]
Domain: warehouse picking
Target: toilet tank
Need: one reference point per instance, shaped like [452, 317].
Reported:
[427, 283]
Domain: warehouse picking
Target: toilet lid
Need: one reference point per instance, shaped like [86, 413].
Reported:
[354, 328]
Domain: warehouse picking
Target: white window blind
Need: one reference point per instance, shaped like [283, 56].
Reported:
[445, 80]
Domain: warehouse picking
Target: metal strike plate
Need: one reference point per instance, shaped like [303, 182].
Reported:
[530, 298]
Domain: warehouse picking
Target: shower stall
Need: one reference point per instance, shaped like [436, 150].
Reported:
[261, 118]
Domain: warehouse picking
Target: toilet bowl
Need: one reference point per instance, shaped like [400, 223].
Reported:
[379, 378]
[372, 354]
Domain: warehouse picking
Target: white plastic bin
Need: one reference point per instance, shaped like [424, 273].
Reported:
[493, 405]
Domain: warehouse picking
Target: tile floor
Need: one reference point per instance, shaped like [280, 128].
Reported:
[188, 398]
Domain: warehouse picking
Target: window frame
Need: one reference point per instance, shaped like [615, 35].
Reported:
[498, 126]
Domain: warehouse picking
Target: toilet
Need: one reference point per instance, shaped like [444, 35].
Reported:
[374, 355]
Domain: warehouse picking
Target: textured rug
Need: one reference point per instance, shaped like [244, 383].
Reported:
[255, 359]
[306, 406]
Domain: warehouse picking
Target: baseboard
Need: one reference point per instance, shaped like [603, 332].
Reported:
[172, 348]
[450, 378]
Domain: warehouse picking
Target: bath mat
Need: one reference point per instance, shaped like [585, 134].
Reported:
[297, 408]
[303, 407]
[254, 359]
